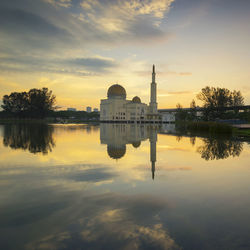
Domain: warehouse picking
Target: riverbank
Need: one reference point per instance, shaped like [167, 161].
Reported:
[212, 128]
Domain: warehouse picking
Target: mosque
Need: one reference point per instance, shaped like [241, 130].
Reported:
[118, 109]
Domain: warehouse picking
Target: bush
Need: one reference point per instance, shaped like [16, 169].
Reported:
[209, 127]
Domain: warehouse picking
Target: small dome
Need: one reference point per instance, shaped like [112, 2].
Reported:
[136, 99]
[116, 90]
[116, 152]
[136, 144]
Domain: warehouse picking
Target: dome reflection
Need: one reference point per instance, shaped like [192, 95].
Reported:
[117, 136]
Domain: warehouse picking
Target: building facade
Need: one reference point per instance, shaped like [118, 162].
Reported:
[116, 108]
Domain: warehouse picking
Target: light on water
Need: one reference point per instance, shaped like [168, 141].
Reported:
[117, 186]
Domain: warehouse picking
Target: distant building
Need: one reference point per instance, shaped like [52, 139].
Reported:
[89, 109]
[95, 110]
[71, 109]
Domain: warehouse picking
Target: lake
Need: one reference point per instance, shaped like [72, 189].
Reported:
[119, 186]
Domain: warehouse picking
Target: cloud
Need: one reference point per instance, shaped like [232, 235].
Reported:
[178, 73]
[24, 30]
[96, 64]
[100, 22]
[128, 8]
[34, 35]
[165, 73]
[163, 92]
[60, 3]
[82, 66]
[26, 23]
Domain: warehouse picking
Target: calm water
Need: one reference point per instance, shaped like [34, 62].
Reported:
[121, 187]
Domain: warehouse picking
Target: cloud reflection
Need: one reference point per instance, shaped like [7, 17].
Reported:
[113, 221]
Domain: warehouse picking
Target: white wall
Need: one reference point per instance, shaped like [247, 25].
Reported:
[168, 117]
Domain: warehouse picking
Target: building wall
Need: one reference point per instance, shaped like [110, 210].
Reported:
[122, 110]
[136, 111]
[113, 110]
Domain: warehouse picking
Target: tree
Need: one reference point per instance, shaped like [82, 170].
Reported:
[16, 103]
[35, 103]
[236, 99]
[41, 101]
[180, 114]
[179, 106]
[193, 110]
[215, 99]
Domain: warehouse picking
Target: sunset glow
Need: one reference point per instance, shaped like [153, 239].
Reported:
[78, 48]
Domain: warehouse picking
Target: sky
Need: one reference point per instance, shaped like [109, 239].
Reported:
[79, 48]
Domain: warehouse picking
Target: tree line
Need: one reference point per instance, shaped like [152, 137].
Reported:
[36, 103]
[213, 99]
[40, 103]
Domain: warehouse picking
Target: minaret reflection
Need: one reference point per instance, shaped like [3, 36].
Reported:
[117, 136]
[153, 140]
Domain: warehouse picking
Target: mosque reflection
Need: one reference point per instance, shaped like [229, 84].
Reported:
[117, 136]
[34, 137]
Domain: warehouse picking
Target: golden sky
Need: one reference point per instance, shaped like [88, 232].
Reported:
[78, 48]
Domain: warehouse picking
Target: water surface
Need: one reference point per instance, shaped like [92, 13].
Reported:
[121, 187]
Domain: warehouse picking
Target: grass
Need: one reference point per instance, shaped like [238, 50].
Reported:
[216, 129]
[242, 132]
[202, 127]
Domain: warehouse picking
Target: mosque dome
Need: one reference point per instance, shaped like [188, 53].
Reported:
[136, 99]
[136, 144]
[116, 90]
[116, 152]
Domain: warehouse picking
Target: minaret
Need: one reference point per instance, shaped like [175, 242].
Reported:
[153, 103]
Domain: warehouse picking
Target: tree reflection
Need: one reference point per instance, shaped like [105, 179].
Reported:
[218, 148]
[192, 140]
[37, 137]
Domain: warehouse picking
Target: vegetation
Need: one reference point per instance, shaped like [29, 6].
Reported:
[210, 127]
[215, 99]
[193, 110]
[243, 132]
[39, 104]
[74, 116]
[36, 103]
[184, 115]
[201, 127]
[181, 114]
